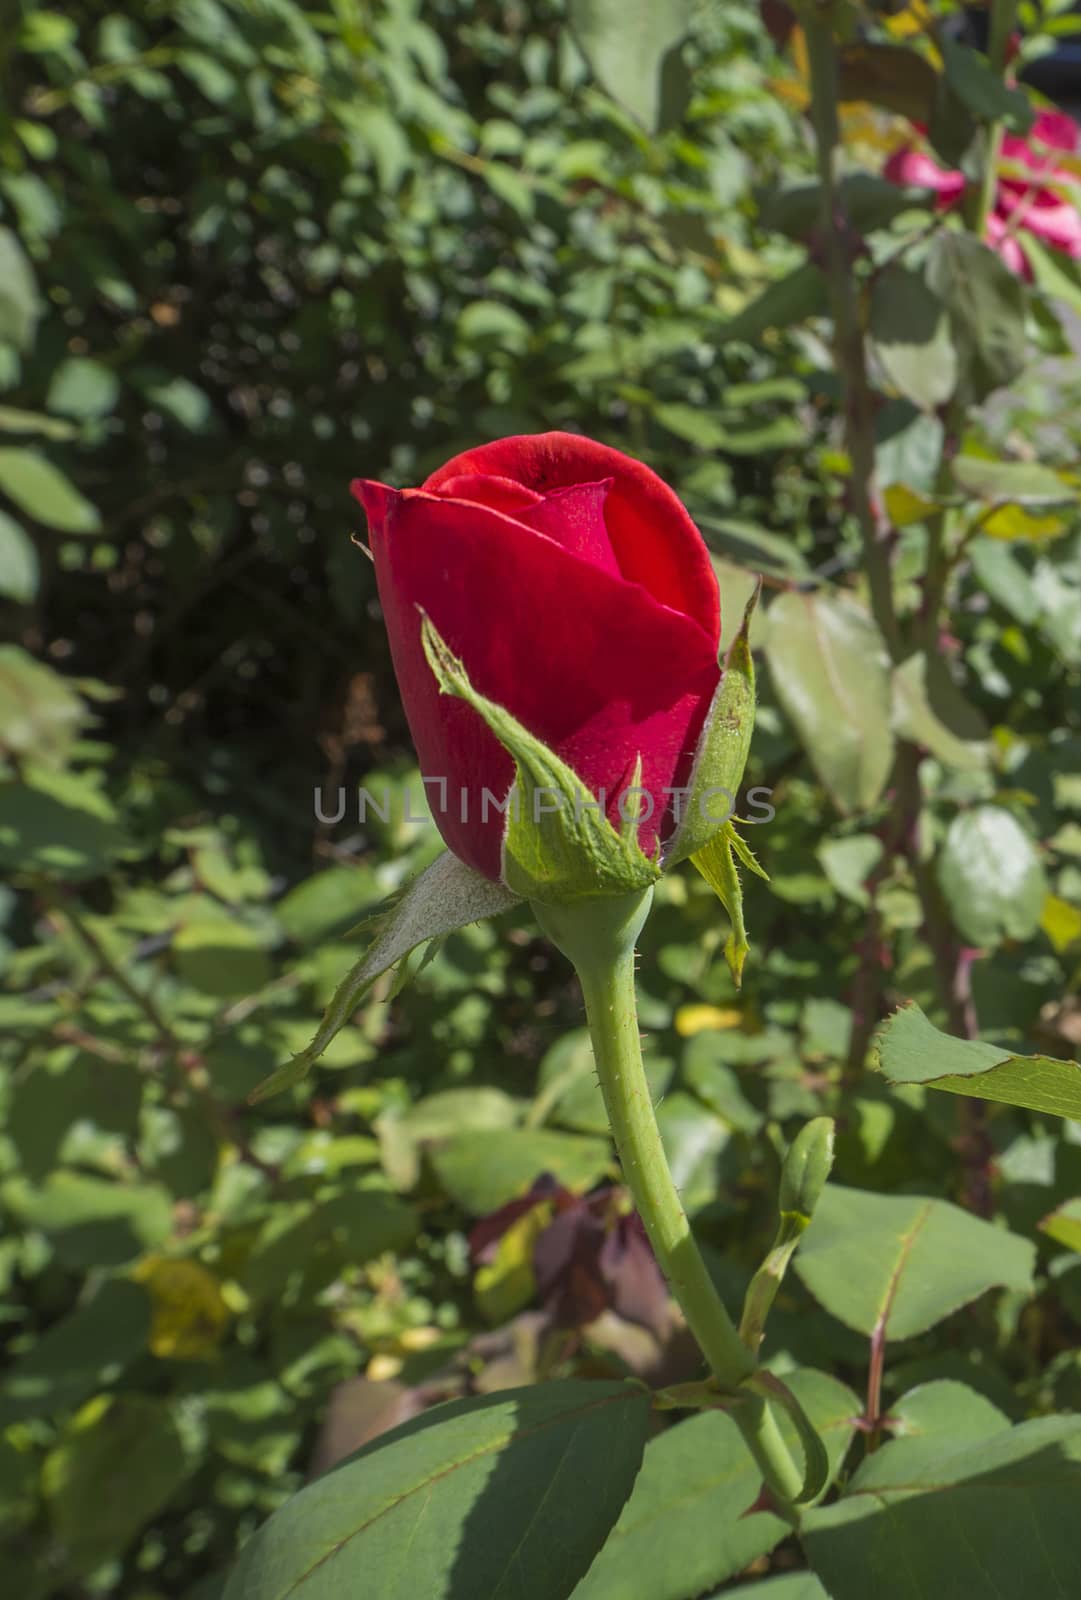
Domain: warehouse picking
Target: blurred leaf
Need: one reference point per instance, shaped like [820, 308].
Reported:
[491, 323]
[888, 75]
[41, 713]
[1004, 578]
[82, 388]
[91, 1222]
[41, 491]
[19, 571]
[483, 1169]
[327, 904]
[478, 1497]
[20, 306]
[717, 1084]
[569, 1091]
[1024, 483]
[911, 336]
[849, 862]
[956, 1520]
[686, 1525]
[345, 1226]
[986, 306]
[182, 401]
[992, 877]
[65, 1097]
[133, 1444]
[626, 43]
[900, 1263]
[221, 956]
[1064, 1223]
[57, 824]
[828, 664]
[869, 202]
[83, 1353]
[911, 1050]
[688, 422]
[800, 294]
[930, 710]
[1053, 273]
[983, 90]
[693, 1138]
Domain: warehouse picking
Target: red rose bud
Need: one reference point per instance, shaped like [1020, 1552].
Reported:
[549, 596]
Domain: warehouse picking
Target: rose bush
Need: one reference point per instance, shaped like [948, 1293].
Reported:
[1030, 194]
[579, 596]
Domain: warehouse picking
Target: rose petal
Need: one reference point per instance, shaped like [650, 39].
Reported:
[917, 169]
[655, 542]
[1008, 247]
[588, 662]
[574, 518]
[1043, 214]
[500, 494]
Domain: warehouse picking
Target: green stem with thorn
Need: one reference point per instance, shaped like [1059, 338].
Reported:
[598, 936]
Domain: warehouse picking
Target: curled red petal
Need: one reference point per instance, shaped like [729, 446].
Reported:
[574, 518]
[500, 494]
[654, 539]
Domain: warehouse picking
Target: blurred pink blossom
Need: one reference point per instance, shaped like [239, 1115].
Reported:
[1024, 201]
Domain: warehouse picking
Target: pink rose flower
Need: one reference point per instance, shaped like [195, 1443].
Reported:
[1025, 202]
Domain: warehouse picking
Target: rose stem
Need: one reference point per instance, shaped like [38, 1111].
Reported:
[598, 937]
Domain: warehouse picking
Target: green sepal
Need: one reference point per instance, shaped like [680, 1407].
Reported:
[447, 895]
[816, 1464]
[716, 861]
[567, 853]
[721, 757]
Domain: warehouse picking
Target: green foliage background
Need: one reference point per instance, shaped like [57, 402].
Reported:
[248, 250]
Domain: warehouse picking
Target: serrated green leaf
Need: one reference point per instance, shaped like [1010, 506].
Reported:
[899, 1263]
[912, 1050]
[952, 1527]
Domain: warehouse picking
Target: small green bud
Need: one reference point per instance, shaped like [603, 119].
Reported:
[806, 1168]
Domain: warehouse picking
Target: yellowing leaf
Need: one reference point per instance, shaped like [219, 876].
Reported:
[905, 505]
[1061, 922]
[507, 1283]
[697, 1019]
[1015, 522]
[914, 19]
[190, 1314]
[795, 91]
